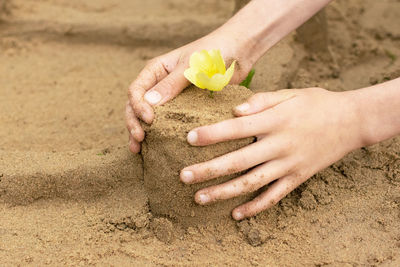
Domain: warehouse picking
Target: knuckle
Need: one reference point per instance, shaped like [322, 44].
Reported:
[130, 124]
[230, 128]
[215, 193]
[299, 175]
[253, 185]
[128, 115]
[237, 161]
[206, 171]
[134, 94]
[130, 92]
[237, 125]
[272, 202]
[249, 209]
[246, 208]
[167, 85]
[138, 109]
[291, 166]
[151, 62]
[287, 146]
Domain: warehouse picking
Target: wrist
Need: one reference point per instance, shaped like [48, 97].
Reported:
[237, 46]
[352, 126]
[377, 108]
[364, 121]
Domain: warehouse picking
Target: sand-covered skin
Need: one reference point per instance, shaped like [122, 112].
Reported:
[166, 152]
[83, 195]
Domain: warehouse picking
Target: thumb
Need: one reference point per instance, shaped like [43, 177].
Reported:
[263, 101]
[167, 88]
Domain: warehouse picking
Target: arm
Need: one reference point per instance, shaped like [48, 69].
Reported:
[245, 37]
[263, 23]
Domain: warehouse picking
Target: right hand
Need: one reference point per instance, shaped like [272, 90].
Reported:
[162, 79]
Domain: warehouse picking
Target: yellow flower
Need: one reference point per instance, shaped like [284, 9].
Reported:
[207, 70]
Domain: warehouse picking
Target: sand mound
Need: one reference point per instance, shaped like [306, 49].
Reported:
[166, 152]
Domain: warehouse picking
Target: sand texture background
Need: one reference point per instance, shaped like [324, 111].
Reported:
[71, 193]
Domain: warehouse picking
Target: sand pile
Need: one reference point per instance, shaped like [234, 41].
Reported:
[166, 152]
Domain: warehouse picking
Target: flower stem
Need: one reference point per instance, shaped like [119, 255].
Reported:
[246, 82]
[211, 94]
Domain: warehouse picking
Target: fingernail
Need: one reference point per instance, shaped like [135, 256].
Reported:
[132, 133]
[243, 107]
[203, 198]
[153, 97]
[237, 215]
[187, 176]
[192, 137]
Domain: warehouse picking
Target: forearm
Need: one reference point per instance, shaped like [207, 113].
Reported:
[378, 108]
[263, 23]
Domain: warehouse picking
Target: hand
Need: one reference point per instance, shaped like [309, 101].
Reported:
[244, 38]
[299, 131]
[162, 79]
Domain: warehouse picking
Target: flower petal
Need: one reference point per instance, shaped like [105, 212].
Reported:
[190, 74]
[203, 62]
[203, 80]
[219, 81]
[229, 72]
[218, 60]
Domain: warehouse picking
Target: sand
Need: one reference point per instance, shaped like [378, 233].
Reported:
[70, 192]
[166, 152]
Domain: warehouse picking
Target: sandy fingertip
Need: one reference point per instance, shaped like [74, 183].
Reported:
[202, 198]
[187, 176]
[134, 147]
[237, 215]
[192, 137]
[147, 117]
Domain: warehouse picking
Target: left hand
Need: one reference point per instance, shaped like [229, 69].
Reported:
[299, 132]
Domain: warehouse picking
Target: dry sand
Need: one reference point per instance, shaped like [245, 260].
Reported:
[70, 193]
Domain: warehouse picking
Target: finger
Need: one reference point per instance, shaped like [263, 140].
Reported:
[249, 182]
[263, 101]
[266, 200]
[133, 124]
[147, 78]
[233, 162]
[134, 145]
[167, 88]
[257, 124]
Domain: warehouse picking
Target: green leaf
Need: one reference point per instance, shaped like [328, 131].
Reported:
[246, 82]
